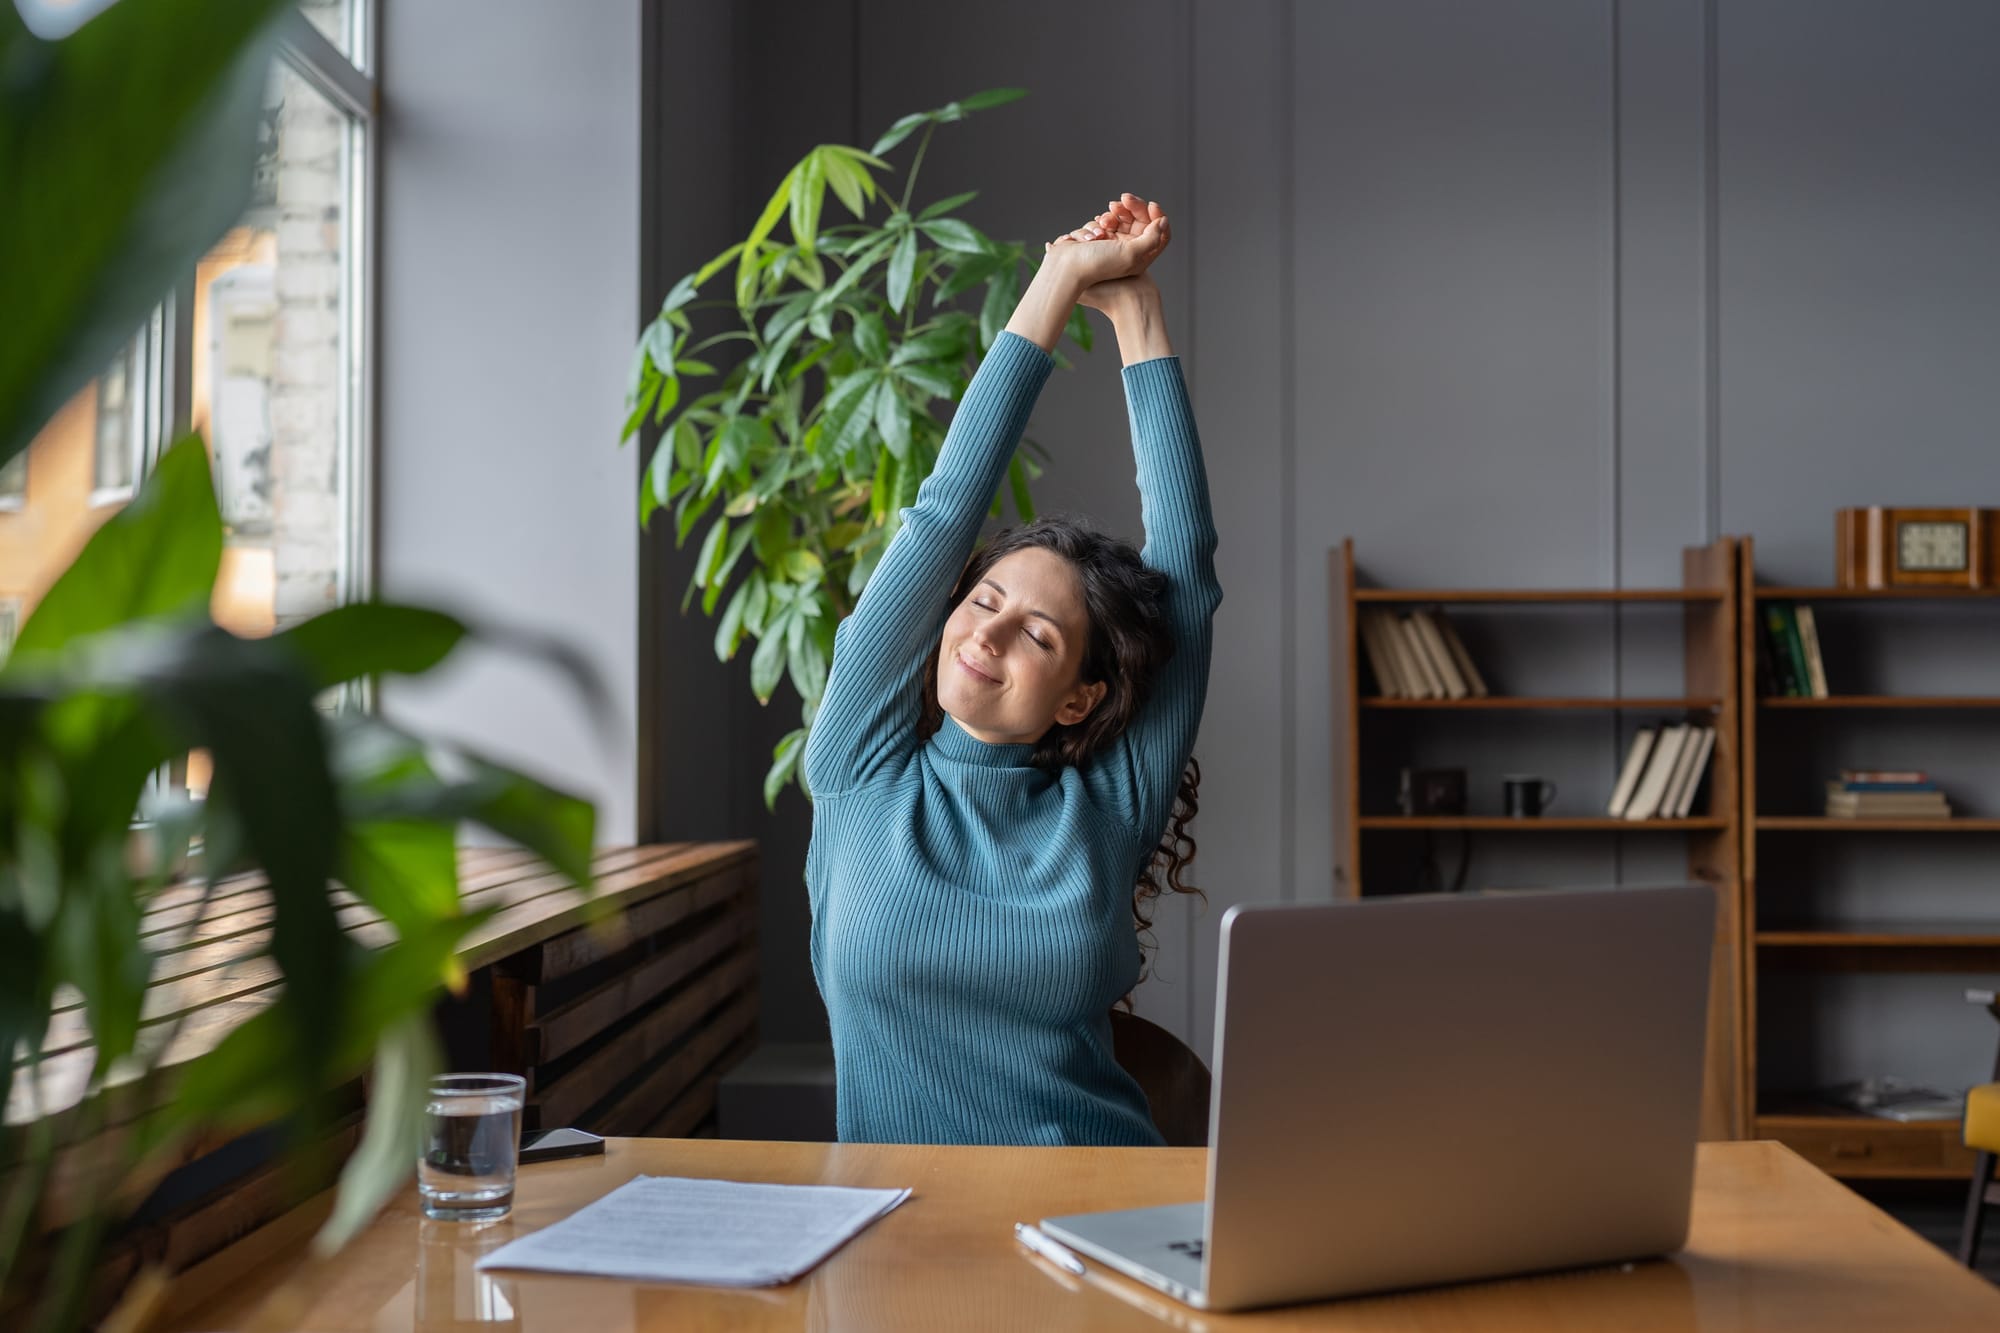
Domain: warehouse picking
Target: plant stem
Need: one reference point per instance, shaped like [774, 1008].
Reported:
[910, 183]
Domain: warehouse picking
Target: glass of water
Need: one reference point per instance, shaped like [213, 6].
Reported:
[472, 1135]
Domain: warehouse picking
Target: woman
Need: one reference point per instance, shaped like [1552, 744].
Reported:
[995, 763]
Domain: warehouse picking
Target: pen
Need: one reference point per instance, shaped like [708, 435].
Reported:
[1048, 1249]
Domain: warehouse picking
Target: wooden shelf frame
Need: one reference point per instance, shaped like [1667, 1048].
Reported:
[1543, 824]
[1530, 703]
[1844, 1144]
[1536, 596]
[1883, 701]
[1707, 602]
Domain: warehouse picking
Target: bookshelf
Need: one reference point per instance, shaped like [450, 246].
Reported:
[1376, 732]
[1796, 939]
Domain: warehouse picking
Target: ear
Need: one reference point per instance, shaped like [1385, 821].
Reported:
[1081, 700]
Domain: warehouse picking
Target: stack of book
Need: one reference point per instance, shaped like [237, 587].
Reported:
[1791, 652]
[1418, 656]
[1885, 794]
[1663, 771]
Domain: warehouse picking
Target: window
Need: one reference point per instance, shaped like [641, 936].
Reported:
[120, 424]
[262, 348]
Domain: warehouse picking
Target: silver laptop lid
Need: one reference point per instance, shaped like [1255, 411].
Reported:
[1434, 1088]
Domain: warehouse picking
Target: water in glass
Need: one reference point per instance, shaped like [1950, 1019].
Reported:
[472, 1134]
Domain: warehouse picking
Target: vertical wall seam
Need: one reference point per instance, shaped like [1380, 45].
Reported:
[1711, 455]
[1288, 710]
[1615, 511]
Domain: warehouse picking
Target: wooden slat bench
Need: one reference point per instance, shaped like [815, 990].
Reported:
[622, 1012]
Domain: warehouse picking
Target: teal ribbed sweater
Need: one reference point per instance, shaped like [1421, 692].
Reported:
[972, 914]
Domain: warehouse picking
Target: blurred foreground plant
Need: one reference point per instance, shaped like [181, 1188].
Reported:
[126, 150]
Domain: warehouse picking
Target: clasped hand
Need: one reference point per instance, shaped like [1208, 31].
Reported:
[1107, 257]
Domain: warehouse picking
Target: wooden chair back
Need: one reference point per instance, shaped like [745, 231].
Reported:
[1174, 1079]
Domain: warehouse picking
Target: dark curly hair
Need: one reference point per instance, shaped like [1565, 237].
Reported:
[1127, 644]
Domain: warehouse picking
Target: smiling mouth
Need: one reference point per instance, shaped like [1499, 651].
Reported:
[974, 671]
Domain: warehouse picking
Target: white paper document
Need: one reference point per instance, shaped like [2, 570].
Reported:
[719, 1232]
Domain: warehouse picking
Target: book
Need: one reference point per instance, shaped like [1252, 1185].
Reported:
[1670, 796]
[1414, 684]
[1696, 772]
[1455, 685]
[1884, 775]
[1415, 653]
[1628, 776]
[1387, 683]
[1785, 630]
[1771, 636]
[1893, 1099]
[1809, 641]
[1645, 802]
[1456, 646]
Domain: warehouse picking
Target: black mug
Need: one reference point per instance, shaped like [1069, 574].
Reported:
[1526, 797]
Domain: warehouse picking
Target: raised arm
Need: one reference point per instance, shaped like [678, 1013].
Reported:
[1140, 775]
[868, 719]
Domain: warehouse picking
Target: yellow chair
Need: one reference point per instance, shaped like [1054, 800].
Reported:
[1982, 1135]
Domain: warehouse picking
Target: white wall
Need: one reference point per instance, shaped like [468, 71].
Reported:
[510, 270]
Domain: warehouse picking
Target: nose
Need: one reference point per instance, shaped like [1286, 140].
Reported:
[983, 637]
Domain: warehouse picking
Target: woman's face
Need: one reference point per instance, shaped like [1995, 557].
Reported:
[1011, 660]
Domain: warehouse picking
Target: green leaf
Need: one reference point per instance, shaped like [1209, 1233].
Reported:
[746, 270]
[127, 149]
[1024, 503]
[844, 413]
[892, 418]
[406, 869]
[808, 664]
[711, 551]
[738, 542]
[1002, 294]
[854, 273]
[371, 639]
[784, 760]
[767, 664]
[871, 336]
[901, 265]
[1079, 328]
[729, 631]
[156, 557]
[714, 266]
[954, 234]
[406, 1060]
[992, 97]
[687, 365]
[807, 193]
[946, 205]
[683, 292]
[849, 180]
[670, 394]
[932, 379]
[900, 131]
[937, 345]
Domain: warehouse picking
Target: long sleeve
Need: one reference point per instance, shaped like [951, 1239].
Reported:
[1140, 775]
[869, 715]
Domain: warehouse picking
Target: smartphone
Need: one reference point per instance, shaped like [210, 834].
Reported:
[546, 1145]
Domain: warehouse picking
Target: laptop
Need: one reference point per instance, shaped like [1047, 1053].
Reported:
[1437, 1088]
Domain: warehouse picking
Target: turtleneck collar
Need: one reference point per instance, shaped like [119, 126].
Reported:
[956, 743]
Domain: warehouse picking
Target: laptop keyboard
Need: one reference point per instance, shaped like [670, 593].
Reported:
[1190, 1248]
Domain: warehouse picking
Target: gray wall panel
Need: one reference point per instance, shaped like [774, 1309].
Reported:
[1524, 293]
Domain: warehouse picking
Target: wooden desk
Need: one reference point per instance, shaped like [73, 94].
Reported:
[1776, 1245]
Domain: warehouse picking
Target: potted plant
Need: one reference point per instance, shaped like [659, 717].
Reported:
[846, 340]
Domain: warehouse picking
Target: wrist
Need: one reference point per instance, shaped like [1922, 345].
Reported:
[1135, 299]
